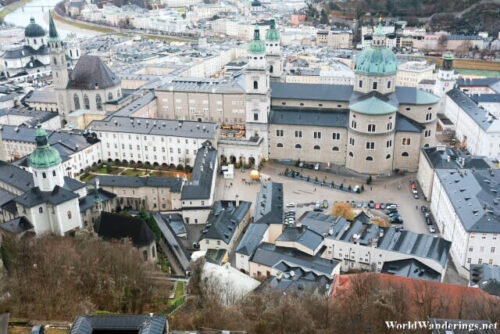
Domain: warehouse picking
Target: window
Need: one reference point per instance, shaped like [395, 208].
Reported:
[44, 175]
[40, 210]
[279, 145]
[255, 84]
[388, 84]
[353, 124]
[317, 135]
[279, 133]
[375, 85]
[370, 145]
[368, 158]
[86, 102]
[153, 252]
[406, 141]
[98, 102]
[255, 116]
[388, 156]
[428, 117]
[351, 141]
[53, 173]
[55, 61]
[110, 96]
[493, 249]
[76, 100]
[298, 134]
[405, 154]
[335, 148]
[469, 260]
[271, 68]
[479, 261]
[389, 126]
[316, 147]
[298, 146]
[335, 136]
[145, 255]
[427, 133]
[69, 214]
[360, 84]
[351, 155]
[388, 143]
[371, 127]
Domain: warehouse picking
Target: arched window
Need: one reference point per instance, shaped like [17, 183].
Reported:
[110, 96]
[40, 210]
[98, 102]
[44, 175]
[298, 146]
[76, 100]
[255, 84]
[351, 155]
[71, 53]
[388, 156]
[389, 126]
[145, 254]
[69, 214]
[86, 102]
[271, 68]
[279, 145]
[335, 148]
[55, 61]
[369, 158]
[316, 147]
[405, 154]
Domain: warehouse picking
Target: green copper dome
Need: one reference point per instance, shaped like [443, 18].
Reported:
[44, 156]
[33, 30]
[376, 61]
[272, 34]
[256, 46]
[448, 56]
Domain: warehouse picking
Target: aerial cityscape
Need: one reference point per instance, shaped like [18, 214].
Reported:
[249, 166]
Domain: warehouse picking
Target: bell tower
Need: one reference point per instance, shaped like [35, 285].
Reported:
[59, 68]
[273, 51]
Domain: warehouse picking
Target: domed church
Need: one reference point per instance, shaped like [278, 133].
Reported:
[371, 127]
[30, 58]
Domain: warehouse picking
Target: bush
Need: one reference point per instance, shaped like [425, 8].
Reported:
[180, 167]
[369, 180]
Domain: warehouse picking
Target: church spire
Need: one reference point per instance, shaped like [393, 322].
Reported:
[53, 35]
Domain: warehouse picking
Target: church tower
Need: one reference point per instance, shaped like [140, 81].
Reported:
[446, 79]
[59, 67]
[258, 92]
[45, 163]
[273, 51]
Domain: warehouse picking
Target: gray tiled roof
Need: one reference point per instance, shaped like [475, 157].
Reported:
[201, 182]
[298, 91]
[448, 158]
[268, 207]
[17, 225]
[404, 124]
[112, 226]
[319, 222]
[42, 96]
[135, 105]
[174, 184]
[411, 268]
[486, 277]
[251, 239]
[493, 83]
[205, 85]
[15, 176]
[145, 324]
[311, 117]
[270, 255]
[480, 116]
[88, 201]
[474, 196]
[301, 235]
[90, 72]
[225, 217]
[35, 196]
[156, 126]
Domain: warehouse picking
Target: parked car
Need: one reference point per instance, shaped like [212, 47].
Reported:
[423, 208]
[428, 220]
[324, 204]
[290, 205]
[359, 204]
[415, 195]
[432, 229]
[371, 204]
[382, 206]
[391, 206]
[393, 214]
[317, 206]
[353, 204]
[364, 205]
[377, 206]
[316, 166]
[396, 220]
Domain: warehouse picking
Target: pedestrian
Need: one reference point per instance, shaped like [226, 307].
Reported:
[416, 207]
[314, 189]
[371, 188]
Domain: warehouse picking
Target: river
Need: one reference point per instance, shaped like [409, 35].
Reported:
[39, 10]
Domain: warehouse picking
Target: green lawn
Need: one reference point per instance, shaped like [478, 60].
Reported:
[131, 172]
[101, 169]
[179, 293]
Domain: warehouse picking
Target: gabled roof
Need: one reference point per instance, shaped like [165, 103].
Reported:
[17, 225]
[405, 124]
[201, 182]
[411, 268]
[88, 201]
[251, 239]
[115, 226]
[143, 324]
[309, 117]
[225, 217]
[298, 91]
[415, 96]
[90, 72]
[15, 176]
[268, 207]
[301, 235]
[35, 196]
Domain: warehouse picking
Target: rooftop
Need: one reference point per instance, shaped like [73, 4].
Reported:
[223, 220]
[202, 178]
[112, 323]
[112, 226]
[91, 73]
